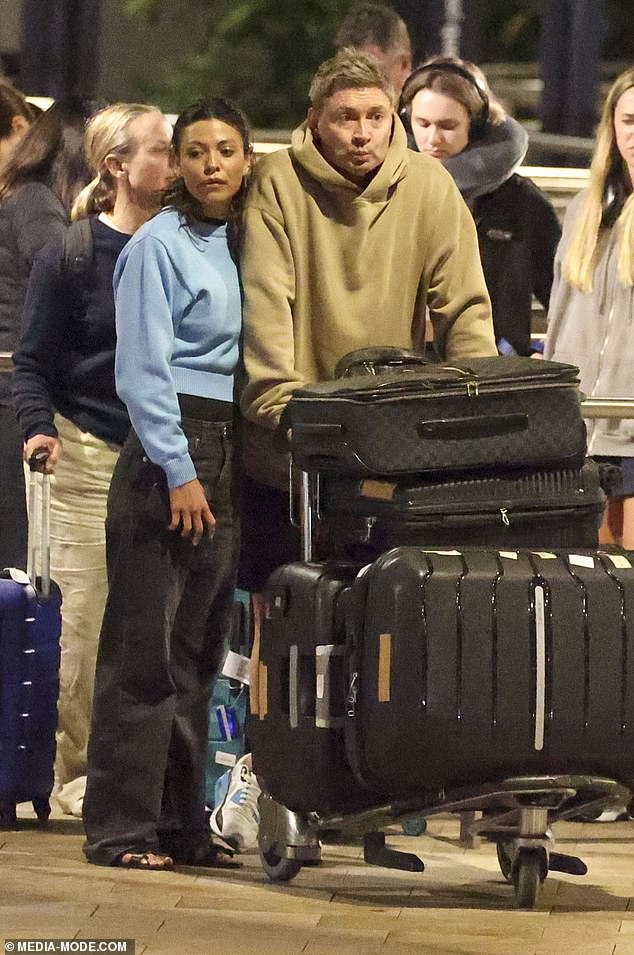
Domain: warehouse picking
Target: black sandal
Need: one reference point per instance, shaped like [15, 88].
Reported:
[150, 861]
[212, 856]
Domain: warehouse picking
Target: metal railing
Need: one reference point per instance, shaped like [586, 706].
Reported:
[608, 407]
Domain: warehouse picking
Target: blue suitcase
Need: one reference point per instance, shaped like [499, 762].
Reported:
[30, 627]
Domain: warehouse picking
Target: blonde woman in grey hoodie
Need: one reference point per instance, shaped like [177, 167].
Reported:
[591, 314]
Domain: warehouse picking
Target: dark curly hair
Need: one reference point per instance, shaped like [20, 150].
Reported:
[178, 195]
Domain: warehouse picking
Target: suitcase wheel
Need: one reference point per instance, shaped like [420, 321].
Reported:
[277, 867]
[414, 827]
[8, 816]
[505, 858]
[42, 809]
[528, 875]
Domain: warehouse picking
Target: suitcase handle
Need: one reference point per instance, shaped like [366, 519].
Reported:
[461, 429]
[39, 525]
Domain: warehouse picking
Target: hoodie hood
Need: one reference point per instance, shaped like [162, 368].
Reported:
[393, 168]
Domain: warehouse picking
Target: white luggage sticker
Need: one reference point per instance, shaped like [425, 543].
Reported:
[619, 560]
[236, 667]
[509, 554]
[582, 560]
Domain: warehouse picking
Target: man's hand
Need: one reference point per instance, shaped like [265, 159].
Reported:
[190, 510]
[44, 442]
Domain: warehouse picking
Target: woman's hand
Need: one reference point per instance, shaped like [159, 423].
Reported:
[190, 509]
[44, 442]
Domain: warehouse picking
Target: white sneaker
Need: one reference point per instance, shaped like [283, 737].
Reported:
[619, 814]
[237, 818]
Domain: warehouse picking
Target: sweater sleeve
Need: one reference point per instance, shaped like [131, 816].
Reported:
[457, 297]
[268, 277]
[38, 218]
[144, 286]
[481, 167]
[36, 359]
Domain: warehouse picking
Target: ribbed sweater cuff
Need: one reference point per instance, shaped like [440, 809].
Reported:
[179, 471]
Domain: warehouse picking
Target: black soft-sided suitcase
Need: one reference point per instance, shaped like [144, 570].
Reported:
[528, 509]
[490, 413]
[480, 665]
[297, 738]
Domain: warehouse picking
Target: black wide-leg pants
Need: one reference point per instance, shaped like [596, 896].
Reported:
[162, 643]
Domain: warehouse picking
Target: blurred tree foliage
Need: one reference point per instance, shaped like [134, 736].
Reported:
[260, 53]
[263, 53]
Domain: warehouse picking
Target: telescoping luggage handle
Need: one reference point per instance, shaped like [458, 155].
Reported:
[39, 524]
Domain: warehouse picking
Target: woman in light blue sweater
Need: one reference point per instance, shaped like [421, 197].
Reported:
[171, 527]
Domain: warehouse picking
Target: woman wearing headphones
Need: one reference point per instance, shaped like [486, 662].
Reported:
[449, 109]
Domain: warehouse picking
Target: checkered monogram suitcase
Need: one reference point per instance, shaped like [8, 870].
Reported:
[487, 413]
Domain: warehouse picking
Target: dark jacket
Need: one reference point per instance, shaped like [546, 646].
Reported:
[518, 232]
[29, 218]
[65, 360]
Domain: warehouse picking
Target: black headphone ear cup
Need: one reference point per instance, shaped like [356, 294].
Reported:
[403, 114]
[478, 127]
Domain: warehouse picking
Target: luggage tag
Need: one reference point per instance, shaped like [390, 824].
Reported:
[225, 759]
[509, 554]
[228, 722]
[236, 667]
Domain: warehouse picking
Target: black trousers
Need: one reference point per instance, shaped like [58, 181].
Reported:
[162, 643]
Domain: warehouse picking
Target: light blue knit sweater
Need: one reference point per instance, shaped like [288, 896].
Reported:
[178, 316]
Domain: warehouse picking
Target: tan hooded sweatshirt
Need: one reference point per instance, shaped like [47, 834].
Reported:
[329, 267]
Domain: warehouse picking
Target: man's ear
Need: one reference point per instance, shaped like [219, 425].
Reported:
[313, 118]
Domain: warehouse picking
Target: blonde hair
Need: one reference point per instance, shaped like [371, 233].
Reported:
[610, 187]
[347, 69]
[107, 134]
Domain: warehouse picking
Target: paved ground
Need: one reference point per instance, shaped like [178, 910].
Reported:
[459, 905]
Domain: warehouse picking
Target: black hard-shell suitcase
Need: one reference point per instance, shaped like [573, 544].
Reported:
[526, 509]
[477, 665]
[297, 736]
[490, 413]
[30, 627]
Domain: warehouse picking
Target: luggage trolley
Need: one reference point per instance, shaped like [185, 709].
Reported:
[516, 813]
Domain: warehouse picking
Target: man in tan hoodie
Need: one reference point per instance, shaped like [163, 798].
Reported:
[351, 239]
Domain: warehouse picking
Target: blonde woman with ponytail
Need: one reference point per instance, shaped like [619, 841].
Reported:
[66, 401]
[591, 314]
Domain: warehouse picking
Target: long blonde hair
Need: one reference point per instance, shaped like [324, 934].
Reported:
[610, 188]
[107, 134]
